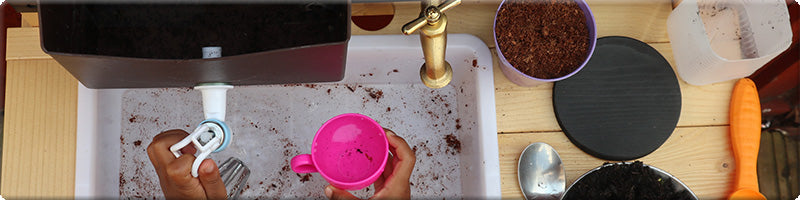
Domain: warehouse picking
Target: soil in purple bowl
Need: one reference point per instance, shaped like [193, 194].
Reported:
[545, 39]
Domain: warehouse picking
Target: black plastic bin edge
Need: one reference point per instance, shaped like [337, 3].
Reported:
[304, 64]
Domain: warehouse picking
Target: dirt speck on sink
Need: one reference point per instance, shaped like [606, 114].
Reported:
[374, 93]
[454, 143]
[304, 177]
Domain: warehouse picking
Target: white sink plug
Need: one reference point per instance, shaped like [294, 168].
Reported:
[212, 135]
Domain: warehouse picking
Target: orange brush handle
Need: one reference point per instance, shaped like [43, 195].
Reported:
[745, 130]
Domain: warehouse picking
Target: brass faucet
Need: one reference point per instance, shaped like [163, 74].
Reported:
[432, 23]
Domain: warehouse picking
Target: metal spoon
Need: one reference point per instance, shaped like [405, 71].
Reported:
[541, 173]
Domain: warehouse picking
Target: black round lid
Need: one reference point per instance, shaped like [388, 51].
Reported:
[623, 104]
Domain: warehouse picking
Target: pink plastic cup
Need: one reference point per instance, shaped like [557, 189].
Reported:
[350, 151]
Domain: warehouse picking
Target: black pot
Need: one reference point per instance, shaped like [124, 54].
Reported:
[667, 183]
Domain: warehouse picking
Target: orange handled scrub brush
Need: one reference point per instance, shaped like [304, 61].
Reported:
[745, 119]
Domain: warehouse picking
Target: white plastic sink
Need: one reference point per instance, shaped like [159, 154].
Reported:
[272, 123]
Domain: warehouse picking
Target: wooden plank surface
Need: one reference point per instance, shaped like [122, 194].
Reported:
[697, 154]
[530, 109]
[796, 168]
[370, 9]
[30, 19]
[39, 131]
[781, 165]
[701, 105]
[644, 20]
[700, 157]
[767, 176]
[792, 167]
[23, 44]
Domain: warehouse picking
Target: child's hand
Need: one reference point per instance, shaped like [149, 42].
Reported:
[393, 183]
[174, 174]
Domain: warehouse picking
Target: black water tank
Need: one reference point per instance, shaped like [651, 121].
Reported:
[135, 45]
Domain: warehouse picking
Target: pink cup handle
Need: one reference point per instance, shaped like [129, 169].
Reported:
[302, 164]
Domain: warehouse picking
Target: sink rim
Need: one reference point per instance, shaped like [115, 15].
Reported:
[86, 149]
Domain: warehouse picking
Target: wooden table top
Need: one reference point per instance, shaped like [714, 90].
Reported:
[41, 107]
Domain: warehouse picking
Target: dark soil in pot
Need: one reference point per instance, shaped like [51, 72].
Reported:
[627, 181]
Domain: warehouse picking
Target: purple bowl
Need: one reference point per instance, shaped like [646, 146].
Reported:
[522, 79]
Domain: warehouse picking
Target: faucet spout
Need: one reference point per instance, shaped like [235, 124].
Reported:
[432, 23]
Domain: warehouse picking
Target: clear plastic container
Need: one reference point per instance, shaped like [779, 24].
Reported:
[719, 40]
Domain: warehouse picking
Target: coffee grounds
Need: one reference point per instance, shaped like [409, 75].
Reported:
[543, 38]
[627, 181]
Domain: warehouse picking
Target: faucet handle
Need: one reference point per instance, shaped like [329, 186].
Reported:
[430, 15]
